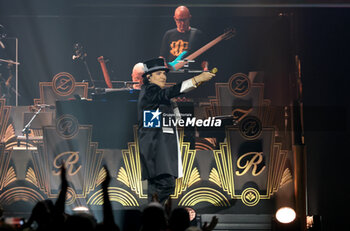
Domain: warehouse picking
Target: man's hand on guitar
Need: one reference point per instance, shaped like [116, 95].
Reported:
[177, 60]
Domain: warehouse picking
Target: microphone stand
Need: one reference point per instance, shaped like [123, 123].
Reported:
[26, 129]
[9, 61]
[89, 73]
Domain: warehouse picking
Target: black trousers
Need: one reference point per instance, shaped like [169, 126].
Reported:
[162, 185]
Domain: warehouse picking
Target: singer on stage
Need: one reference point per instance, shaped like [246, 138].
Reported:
[159, 147]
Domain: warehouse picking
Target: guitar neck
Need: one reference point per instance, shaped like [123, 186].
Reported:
[199, 51]
[105, 72]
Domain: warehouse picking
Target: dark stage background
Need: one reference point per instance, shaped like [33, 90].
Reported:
[324, 48]
[129, 33]
[267, 39]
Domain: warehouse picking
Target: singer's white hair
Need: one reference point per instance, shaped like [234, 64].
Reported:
[138, 67]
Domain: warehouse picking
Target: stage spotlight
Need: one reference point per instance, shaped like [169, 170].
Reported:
[285, 215]
[80, 209]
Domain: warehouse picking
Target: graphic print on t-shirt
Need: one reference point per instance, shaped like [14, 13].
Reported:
[177, 47]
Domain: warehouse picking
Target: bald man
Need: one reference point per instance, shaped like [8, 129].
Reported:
[182, 38]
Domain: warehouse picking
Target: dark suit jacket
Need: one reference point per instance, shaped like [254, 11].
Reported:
[158, 150]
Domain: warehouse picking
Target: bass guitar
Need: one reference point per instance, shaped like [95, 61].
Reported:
[178, 63]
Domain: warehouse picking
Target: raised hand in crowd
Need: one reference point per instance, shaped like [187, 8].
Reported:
[59, 216]
[108, 218]
[214, 221]
[60, 203]
[167, 207]
[155, 198]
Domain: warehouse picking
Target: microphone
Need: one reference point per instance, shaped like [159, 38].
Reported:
[45, 106]
[214, 70]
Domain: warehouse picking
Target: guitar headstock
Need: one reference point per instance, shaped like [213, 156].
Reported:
[229, 33]
[101, 59]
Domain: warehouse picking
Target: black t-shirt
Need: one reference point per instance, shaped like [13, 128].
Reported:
[174, 43]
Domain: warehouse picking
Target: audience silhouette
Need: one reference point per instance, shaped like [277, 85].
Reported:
[48, 216]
